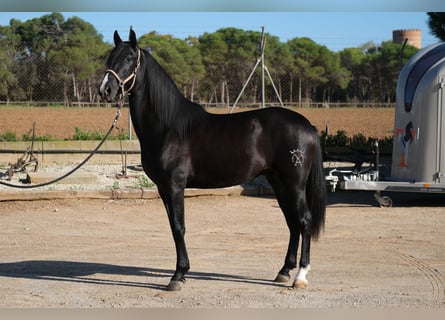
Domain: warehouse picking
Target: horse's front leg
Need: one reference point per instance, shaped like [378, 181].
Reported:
[174, 204]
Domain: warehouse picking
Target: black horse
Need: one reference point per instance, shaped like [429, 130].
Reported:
[183, 146]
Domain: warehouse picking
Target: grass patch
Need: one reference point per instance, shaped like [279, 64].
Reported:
[8, 136]
[96, 135]
[143, 182]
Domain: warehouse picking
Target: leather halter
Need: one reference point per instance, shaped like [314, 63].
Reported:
[132, 76]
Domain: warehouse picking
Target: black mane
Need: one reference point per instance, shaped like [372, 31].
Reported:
[173, 109]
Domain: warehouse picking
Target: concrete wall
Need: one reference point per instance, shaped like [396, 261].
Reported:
[71, 151]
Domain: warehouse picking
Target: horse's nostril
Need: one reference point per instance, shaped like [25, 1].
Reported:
[104, 92]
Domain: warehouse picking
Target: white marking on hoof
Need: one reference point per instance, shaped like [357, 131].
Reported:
[301, 281]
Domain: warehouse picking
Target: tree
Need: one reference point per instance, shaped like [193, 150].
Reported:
[229, 55]
[383, 68]
[49, 51]
[338, 77]
[77, 59]
[436, 22]
[8, 79]
[352, 59]
[374, 70]
[277, 59]
[214, 51]
[53, 59]
[180, 58]
[309, 65]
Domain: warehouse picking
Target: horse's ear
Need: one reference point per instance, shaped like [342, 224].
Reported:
[133, 40]
[117, 38]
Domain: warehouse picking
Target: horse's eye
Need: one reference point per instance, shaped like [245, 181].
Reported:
[128, 59]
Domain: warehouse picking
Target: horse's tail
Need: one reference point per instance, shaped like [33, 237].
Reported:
[316, 192]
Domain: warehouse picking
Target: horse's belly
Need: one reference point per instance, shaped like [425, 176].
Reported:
[222, 172]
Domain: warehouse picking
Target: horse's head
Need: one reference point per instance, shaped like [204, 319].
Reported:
[122, 66]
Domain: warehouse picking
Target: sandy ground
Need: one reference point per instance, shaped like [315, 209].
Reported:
[119, 253]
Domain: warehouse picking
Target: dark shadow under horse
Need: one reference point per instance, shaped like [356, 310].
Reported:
[183, 146]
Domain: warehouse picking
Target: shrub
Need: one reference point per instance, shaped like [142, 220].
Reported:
[87, 135]
[358, 142]
[8, 136]
[46, 137]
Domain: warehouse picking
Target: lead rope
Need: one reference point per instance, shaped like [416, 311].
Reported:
[113, 125]
[119, 104]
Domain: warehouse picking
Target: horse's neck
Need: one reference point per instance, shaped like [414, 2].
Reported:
[145, 121]
[159, 105]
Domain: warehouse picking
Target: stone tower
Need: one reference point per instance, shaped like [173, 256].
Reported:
[414, 37]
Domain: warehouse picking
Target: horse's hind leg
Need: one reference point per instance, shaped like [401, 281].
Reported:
[287, 205]
[305, 227]
[298, 218]
[292, 201]
[290, 261]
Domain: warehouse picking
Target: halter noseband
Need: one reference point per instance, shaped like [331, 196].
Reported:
[130, 77]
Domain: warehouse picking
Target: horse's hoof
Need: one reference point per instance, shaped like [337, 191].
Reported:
[300, 284]
[282, 278]
[175, 285]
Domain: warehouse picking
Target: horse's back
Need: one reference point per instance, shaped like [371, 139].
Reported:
[286, 119]
[269, 118]
[267, 130]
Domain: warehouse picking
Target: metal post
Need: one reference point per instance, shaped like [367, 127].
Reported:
[130, 130]
[264, 70]
[245, 85]
[263, 45]
[377, 160]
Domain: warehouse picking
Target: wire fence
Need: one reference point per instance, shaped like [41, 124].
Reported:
[34, 82]
[52, 100]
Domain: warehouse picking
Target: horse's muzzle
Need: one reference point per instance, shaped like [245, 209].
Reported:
[108, 88]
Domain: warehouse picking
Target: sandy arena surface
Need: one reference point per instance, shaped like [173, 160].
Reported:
[120, 253]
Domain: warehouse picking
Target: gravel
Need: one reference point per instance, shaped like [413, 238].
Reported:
[108, 177]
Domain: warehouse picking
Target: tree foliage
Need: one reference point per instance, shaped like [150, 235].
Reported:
[181, 59]
[229, 55]
[51, 52]
[436, 22]
[56, 59]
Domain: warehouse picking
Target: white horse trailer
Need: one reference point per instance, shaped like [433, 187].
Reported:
[418, 157]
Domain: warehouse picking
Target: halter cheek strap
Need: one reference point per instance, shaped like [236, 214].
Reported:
[132, 76]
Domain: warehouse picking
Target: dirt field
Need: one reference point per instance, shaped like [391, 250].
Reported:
[61, 122]
[95, 253]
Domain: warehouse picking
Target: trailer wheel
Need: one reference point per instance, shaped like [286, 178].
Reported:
[384, 202]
